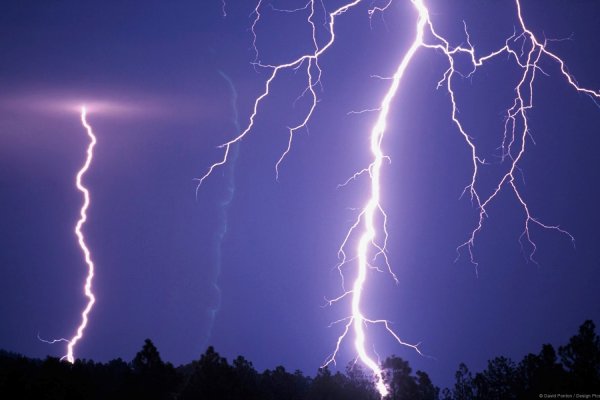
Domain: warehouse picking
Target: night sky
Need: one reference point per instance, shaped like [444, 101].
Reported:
[156, 76]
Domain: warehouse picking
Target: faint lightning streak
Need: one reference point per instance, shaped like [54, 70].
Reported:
[81, 239]
[290, 11]
[224, 205]
[53, 341]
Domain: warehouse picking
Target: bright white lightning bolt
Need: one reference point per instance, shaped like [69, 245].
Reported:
[82, 244]
[81, 239]
[366, 227]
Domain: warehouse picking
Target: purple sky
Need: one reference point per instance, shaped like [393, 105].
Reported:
[160, 109]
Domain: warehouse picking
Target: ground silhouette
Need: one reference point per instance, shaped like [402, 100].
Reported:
[574, 369]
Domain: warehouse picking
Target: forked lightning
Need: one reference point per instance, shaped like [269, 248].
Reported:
[523, 48]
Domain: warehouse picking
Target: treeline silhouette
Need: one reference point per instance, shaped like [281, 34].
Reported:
[574, 369]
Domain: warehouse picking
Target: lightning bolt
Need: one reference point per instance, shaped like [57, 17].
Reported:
[224, 206]
[516, 128]
[370, 226]
[87, 288]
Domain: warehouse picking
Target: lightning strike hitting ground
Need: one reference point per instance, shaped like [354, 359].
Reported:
[81, 240]
[370, 226]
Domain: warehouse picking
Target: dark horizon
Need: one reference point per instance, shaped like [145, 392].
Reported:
[571, 370]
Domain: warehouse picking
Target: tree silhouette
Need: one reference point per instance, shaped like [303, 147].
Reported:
[245, 380]
[499, 381]
[463, 388]
[280, 384]
[425, 388]
[153, 379]
[210, 378]
[360, 384]
[404, 386]
[581, 357]
[576, 369]
[327, 386]
[542, 373]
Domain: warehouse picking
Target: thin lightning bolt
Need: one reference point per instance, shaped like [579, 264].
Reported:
[370, 226]
[82, 245]
[87, 288]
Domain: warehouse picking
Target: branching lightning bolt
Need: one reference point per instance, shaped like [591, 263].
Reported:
[370, 225]
[313, 78]
[515, 136]
[87, 288]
